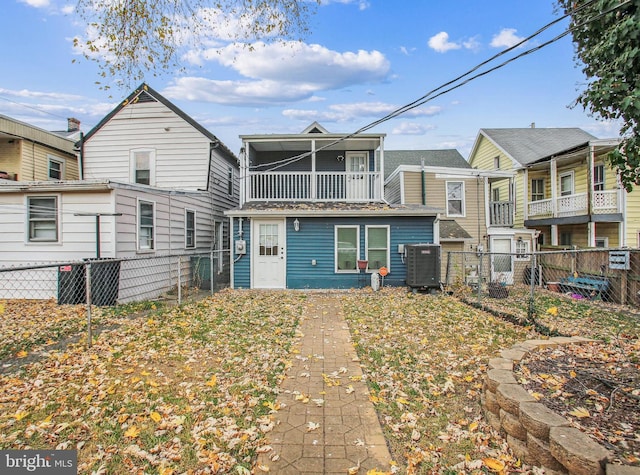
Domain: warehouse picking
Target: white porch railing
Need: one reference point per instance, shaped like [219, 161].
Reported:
[501, 213]
[605, 202]
[572, 205]
[540, 208]
[315, 186]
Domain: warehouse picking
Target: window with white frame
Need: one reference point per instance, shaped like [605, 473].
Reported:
[602, 242]
[189, 229]
[566, 184]
[56, 168]
[146, 225]
[377, 247]
[42, 218]
[522, 249]
[347, 246]
[495, 194]
[455, 198]
[143, 166]
[598, 177]
[537, 189]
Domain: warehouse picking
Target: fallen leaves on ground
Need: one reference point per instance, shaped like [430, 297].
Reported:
[191, 390]
[596, 386]
[424, 359]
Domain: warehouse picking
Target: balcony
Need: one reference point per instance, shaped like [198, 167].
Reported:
[501, 213]
[604, 202]
[315, 186]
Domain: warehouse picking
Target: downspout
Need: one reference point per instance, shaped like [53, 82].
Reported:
[422, 183]
[81, 157]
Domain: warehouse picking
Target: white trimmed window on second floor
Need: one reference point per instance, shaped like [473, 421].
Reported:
[42, 219]
[143, 166]
[537, 189]
[55, 168]
[598, 177]
[566, 184]
[455, 198]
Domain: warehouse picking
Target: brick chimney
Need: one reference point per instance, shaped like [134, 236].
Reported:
[73, 124]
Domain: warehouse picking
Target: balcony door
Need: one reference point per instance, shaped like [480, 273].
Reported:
[357, 177]
[268, 254]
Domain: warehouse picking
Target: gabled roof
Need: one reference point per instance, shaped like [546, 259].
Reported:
[144, 93]
[449, 158]
[315, 128]
[528, 145]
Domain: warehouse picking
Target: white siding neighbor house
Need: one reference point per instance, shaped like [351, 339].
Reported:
[155, 183]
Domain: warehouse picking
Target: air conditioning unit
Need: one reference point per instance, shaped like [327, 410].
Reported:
[423, 265]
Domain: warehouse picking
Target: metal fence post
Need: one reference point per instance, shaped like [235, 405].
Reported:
[480, 274]
[211, 266]
[533, 264]
[87, 280]
[179, 280]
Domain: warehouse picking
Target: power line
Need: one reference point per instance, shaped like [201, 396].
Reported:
[430, 95]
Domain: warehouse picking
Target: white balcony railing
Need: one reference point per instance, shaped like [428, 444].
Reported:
[572, 205]
[315, 186]
[501, 213]
[540, 209]
[604, 202]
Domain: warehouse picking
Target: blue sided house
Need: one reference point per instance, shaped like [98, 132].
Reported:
[312, 214]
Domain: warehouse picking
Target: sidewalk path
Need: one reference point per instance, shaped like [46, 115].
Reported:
[326, 424]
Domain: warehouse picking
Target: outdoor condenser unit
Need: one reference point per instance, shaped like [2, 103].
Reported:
[423, 265]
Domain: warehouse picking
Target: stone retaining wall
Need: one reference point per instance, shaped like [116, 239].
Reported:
[536, 434]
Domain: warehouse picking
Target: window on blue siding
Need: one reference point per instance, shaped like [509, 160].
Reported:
[189, 229]
[377, 243]
[347, 239]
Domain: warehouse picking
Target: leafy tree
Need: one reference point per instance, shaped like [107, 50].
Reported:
[129, 38]
[606, 36]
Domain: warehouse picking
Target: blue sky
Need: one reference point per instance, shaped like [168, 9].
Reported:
[361, 60]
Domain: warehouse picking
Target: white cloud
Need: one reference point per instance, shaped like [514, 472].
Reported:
[440, 43]
[506, 38]
[411, 128]
[37, 3]
[295, 62]
[472, 44]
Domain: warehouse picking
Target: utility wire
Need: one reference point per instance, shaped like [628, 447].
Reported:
[430, 95]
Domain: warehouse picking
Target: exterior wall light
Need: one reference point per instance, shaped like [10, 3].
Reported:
[296, 225]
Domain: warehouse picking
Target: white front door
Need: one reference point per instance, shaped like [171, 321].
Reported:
[268, 254]
[357, 177]
[502, 260]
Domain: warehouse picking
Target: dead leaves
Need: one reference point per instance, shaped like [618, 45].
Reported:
[199, 380]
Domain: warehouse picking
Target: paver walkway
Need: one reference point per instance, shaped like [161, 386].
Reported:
[327, 424]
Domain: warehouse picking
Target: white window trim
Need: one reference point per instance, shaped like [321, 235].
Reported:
[464, 206]
[573, 182]
[61, 161]
[335, 246]
[605, 241]
[604, 175]
[37, 242]
[366, 245]
[152, 165]
[543, 187]
[153, 236]
[195, 217]
[524, 255]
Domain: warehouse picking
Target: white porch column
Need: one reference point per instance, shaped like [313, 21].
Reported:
[554, 234]
[380, 191]
[591, 234]
[554, 192]
[314, 179]
[525, 197]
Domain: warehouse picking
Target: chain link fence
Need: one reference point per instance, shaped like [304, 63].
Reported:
[108, 282]
[523, 283]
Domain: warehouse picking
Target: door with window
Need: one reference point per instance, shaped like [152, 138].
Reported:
[268, 254]
[502, 260]
[357, 177]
